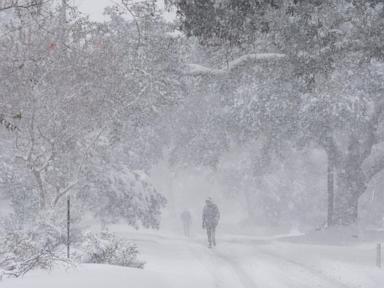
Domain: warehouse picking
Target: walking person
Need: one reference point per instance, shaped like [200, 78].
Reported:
[211, 217]
[186, 218]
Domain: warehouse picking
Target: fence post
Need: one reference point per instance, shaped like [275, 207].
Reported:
[68, 225]
[378, 255]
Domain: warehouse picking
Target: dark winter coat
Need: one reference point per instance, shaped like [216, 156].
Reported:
[211, 215]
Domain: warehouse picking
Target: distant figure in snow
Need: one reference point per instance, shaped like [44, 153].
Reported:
[186, 218]
[211, 217]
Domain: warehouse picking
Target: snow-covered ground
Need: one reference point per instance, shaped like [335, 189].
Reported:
[237, 262]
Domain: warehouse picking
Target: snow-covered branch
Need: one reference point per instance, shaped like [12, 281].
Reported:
[65, 191]
[245, 60]
[19, 5]
[76, 180]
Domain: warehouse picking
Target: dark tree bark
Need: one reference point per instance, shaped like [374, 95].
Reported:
[351, 184]
[346, 181]
[346, 200]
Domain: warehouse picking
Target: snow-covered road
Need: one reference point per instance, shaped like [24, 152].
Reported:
[244, 262]
[237, 262]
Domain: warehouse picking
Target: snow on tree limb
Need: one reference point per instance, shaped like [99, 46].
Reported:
[7, 5]
[79, 170]
[200, 70]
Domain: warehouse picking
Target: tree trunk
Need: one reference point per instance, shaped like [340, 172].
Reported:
[349, 189]
[42, 194]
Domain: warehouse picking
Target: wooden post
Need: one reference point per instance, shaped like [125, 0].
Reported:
[378, 255]
[68, 225]
[331, 190]
[330, 178]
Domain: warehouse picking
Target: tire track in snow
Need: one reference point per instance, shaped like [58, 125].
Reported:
[320, 275]
[218, 259]
[328, 281]
[245, 280]
[269, 269]
[199, 255]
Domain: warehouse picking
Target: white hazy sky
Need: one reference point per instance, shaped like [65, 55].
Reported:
[95, 8]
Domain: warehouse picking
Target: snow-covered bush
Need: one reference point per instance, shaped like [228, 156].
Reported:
[108, 248]
[43, 245]
[23, 248]
[115, 192]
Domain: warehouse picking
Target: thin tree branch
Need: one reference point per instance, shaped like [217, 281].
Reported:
[126, 6]
[245, 60]
[16, 5]
[85, 154]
